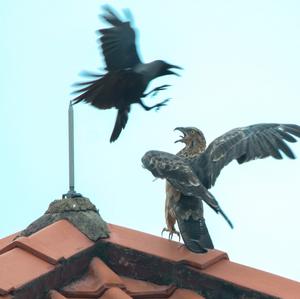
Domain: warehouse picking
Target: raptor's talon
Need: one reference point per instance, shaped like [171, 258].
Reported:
[164, 230]
[171, 233]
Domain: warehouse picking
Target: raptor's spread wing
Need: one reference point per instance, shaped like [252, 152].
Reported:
[179, 173]
[118, 42]
[173, 168]
[244, 144]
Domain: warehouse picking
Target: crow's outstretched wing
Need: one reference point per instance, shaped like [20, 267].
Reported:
[118, 42]
[182, 177]
[244, 144]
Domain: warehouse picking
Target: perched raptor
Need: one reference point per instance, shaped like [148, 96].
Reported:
[192, 176]
[127, 77]
[195, 144]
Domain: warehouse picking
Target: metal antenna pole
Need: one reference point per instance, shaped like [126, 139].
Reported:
[71, 193]
[71, 148]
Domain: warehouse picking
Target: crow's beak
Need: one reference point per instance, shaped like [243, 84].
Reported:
[171, 72]
[182, 130]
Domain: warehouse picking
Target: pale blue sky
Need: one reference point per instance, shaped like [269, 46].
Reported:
[241, 66]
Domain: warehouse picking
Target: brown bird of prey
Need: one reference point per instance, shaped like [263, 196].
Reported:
[192, 175]
[127, 77]
[195, 144]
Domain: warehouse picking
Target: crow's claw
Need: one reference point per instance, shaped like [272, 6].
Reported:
[157, 89]
[154, 91]
[163, 103]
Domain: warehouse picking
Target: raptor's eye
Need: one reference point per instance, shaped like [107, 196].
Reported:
[193, 131]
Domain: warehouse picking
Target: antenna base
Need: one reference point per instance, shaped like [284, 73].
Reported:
[71, 194]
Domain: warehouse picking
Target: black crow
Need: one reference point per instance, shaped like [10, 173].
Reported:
[127, 77]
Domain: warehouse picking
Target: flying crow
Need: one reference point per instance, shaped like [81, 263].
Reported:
[127, 77]
[192, 175]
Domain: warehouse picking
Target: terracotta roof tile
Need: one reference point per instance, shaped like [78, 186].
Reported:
[163, 248]
[27, 258]
[56, 295]
[100, 278]
[36, 248]
[95, 282]
[101, 282]
[19, 267]
[214, 263]
[48, 245]
[62, 238]
[112, 293]
[115, 293]
[54, 256]
[182, 293]
[145, 289]
[255, 279]
[7, 240]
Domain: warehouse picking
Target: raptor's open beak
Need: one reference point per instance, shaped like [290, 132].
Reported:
[171, 72]
[182, 130]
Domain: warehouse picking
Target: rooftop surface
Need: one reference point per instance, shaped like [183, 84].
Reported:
[60, 262]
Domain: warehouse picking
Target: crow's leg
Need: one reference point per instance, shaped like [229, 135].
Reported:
[157, 106]
[156, 90]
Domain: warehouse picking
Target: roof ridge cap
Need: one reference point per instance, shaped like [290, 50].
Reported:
[35, 247]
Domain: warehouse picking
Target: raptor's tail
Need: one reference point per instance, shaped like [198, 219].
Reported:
[195, 235]
[212, 202]
[225, 217]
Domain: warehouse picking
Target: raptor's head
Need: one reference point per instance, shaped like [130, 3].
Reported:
[192, 137]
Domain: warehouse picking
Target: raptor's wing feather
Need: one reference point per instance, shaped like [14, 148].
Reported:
[171, 167]
[118, 42]
[244, 144]
[182, 177]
